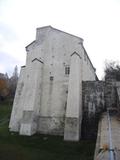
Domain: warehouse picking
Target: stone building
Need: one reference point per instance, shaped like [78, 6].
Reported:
[48, 98]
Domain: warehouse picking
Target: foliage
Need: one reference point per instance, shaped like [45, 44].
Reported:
[8, 85]
[13, 82]
[112, 70]
[4, 89]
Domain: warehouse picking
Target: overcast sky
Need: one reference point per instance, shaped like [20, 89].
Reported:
[96, 21]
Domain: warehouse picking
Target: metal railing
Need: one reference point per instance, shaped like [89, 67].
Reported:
[111, 149]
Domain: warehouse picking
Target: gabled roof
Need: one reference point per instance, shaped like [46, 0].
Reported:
[67, 34]
[56, 30]
[59, 31]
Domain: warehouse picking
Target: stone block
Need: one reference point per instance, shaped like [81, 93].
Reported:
[28, 129]
[71, 131]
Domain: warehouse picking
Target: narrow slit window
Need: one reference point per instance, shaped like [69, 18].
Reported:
[67, 70]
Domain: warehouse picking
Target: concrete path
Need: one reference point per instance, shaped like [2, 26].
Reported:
[103, 145]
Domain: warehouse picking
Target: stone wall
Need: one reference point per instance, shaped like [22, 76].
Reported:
[93, 105]
[110, 94]
[97, 97]
[50, 94]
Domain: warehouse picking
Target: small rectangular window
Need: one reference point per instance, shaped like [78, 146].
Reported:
[67, 70]
[51, 78]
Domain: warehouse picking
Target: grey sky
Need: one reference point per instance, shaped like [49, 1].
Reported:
[96, 21]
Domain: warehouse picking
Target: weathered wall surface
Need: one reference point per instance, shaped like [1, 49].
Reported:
[110, 94]
[73, 116]
[57, 55]
[46, 85]
[98, 96]
[32, 94]
[93, 106]
[17, 110]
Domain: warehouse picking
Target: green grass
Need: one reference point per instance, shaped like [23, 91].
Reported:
[39, 147]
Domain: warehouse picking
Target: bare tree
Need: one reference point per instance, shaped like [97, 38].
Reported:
[13, 81]
[112, 70]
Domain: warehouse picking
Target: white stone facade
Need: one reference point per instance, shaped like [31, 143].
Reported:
[48, 98]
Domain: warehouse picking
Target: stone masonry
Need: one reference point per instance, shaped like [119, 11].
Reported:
[48, 97]
[58, 92]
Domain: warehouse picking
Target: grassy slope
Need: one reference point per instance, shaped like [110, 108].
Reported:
[39, 147]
